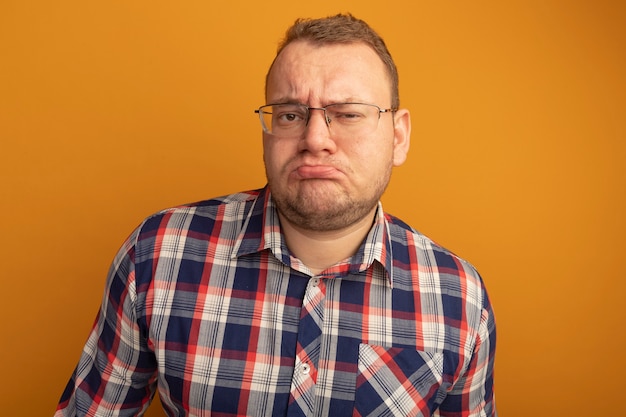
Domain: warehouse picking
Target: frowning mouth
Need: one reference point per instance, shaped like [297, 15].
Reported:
[317, 172]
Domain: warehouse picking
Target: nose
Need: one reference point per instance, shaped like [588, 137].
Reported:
[317, 136]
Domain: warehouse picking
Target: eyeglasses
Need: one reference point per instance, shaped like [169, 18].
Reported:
[291, 120]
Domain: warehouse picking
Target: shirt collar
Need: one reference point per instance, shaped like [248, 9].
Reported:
[261, 231]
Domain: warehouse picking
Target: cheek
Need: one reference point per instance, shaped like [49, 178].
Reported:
[275, 156]
[372, 159]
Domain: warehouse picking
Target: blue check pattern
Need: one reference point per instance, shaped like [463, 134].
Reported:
[205, 304]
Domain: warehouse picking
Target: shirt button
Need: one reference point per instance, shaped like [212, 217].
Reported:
[315, 282]
[306, 368]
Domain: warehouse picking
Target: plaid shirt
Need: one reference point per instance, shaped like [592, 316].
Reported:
[206, 303]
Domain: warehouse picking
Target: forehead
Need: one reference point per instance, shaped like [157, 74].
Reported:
[307, 71]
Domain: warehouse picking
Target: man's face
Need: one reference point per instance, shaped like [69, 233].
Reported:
[322, 180]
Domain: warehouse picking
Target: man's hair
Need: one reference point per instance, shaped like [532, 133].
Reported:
[346, 29]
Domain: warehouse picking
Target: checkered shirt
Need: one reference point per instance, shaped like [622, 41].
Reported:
[205, 303]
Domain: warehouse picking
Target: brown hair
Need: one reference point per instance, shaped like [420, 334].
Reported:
[343, 28]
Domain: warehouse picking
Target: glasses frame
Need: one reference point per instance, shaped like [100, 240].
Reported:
[260, 112]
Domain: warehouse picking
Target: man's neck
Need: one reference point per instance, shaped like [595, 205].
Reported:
[319, 250]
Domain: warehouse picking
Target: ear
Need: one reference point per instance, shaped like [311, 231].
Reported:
[402, 136]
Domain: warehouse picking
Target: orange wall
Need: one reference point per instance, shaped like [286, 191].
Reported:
[112, 110]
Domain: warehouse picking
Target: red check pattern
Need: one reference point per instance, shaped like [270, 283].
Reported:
[205, 303]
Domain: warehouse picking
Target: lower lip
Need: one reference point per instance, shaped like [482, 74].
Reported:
[317, 172]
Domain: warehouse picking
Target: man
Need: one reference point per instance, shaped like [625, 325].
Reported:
[303, 298]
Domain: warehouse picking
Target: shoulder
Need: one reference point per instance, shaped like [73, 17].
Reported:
[417, 252]
[224, 208]
[199, 221]
[404, 234]
[211, 205]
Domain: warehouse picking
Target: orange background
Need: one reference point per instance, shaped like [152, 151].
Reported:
[112, 110]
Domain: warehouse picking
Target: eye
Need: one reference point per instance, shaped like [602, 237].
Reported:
[289, 114]
[288, 117]
[347, 113]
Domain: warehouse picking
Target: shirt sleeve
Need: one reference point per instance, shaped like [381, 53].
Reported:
[473, 395]
[116, 373]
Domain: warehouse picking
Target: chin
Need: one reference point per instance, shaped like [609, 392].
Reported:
[319, 210]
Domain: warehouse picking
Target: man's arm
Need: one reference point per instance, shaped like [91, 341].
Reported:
[473, 395]
[116, 374]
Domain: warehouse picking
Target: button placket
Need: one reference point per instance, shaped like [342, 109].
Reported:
[308, 348]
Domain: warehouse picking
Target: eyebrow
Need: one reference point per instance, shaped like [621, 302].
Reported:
[290, 100]
[285, 100]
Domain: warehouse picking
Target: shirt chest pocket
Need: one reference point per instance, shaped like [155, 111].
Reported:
[397, 382]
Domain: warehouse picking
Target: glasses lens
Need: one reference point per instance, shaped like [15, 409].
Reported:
[353, 117]
[284, 119]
